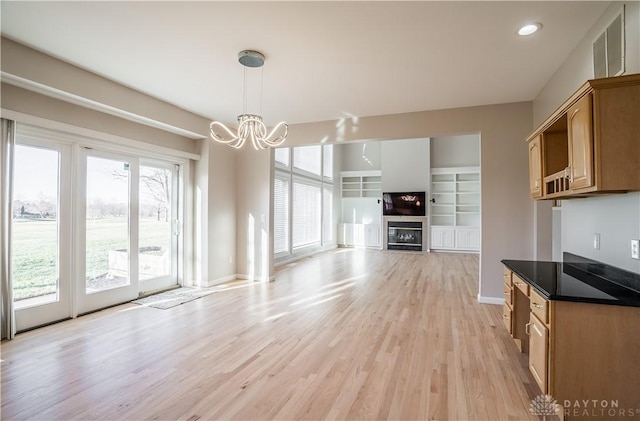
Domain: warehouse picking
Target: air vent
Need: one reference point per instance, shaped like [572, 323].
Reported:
[608, 50]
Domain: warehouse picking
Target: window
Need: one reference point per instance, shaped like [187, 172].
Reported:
[327, 214]
[281, 214]
[303, 202]
[308, 158]
[306, 213]
[327, 161]
[282, 156]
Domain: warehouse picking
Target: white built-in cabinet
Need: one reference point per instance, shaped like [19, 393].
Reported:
[455, 209]
[361, 193]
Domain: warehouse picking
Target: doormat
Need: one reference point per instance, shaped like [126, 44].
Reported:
[173, 298]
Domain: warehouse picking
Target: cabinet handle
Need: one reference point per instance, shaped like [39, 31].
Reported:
[517, 283]
[527, 328]
[536, 305]
[568, 174]
[504, 316]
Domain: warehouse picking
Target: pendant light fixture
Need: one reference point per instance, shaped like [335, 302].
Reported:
[250, 126]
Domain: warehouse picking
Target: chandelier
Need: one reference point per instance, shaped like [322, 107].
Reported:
[250, 126]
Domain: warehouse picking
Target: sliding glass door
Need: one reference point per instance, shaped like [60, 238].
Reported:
[107, 232]
[90, 228]
[158, 229]
[130, 228]
[40, 240]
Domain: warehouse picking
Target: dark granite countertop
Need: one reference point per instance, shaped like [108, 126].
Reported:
[579, 279]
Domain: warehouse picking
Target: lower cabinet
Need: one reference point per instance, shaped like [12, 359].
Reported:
[539, 352]
[455, 238]
[578, 353]
[442, 237]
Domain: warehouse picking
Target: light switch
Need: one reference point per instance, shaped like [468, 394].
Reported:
[596, 241]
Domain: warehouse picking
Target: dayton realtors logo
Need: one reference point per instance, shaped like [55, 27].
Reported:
[543, 405]
[546, 405]
[598, 408]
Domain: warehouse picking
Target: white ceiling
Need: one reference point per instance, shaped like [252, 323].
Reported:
[325, 60]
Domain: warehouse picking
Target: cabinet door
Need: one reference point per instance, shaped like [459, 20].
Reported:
[535, 167]
[372, 235]
[342, 234]
[358, 235]
[467, 238]
[462, 239]
[506, 316]
[580, 136]
[436, 237]
[474, 239]
[442, 237]
[539, 352]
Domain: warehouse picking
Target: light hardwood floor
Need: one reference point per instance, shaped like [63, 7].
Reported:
[348, 334]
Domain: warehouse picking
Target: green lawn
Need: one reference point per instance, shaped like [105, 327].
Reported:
[34, 250]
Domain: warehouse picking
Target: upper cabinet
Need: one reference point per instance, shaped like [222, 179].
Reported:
[591, 144]
[535, 167]
[580, 143]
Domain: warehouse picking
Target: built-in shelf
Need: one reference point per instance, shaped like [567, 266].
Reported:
[455, 209]
[361, 184]
[361, 220]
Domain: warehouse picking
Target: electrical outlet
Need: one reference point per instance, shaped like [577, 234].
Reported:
[635, 249]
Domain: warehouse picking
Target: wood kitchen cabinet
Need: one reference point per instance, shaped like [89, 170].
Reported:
[538, 330]
[577, 351]
[539, 352]
[535, 166]
[590, 144]
[507, 308]
[516, 309]
[580, 143]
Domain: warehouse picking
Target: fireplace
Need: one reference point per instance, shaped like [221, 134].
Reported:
[404, 235]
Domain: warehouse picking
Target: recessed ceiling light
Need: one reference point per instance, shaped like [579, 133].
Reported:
[529, 29]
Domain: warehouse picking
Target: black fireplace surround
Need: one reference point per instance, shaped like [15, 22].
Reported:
[404, 235]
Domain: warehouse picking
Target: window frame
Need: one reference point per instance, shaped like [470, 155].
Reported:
[323, 181]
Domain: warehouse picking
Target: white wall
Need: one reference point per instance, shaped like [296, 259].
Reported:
[252, 229]
[405, 165]
[455, 151]
[616, 217]
[360, 156]
[221, 212]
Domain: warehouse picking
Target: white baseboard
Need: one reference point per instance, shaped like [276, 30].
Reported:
[213, 282]
[490, 300]
[299, 256]
[254, 279]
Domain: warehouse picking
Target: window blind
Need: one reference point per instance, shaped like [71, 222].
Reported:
[306, 213]
[281, 214]
[327, 214]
